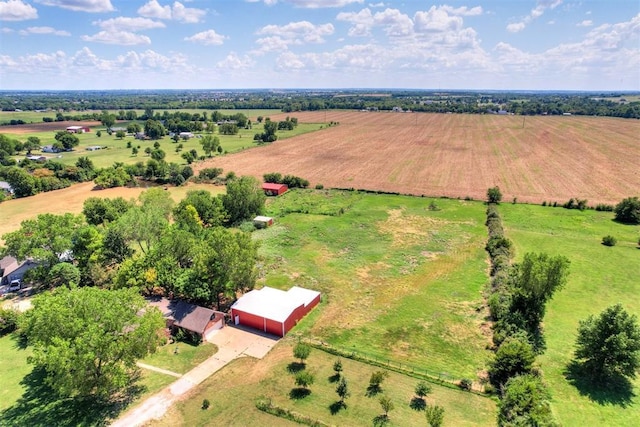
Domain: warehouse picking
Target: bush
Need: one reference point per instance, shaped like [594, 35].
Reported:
[8, 320]
[465, 384]
[628, 211]
[206, 404]
[604, 207]
[609, 241]
[494, 195]
[319, 186]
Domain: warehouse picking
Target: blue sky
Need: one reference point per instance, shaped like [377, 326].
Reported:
[226, 44]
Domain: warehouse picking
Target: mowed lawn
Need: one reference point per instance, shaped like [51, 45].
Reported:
[600, 276]
[234, 390]
[400, 282]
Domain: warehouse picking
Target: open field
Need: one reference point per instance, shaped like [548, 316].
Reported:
[599, 276]
[71, 200]
[116, 150]
[400, 282]
[247, 379]
[550, 158]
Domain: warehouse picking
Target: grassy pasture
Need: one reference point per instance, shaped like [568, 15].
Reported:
[25, 400]
[400, 282]
[600, 276]
[115, 149]
[247, 379]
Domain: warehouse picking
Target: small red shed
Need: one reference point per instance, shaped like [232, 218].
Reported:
[274, 311]
[272, 189]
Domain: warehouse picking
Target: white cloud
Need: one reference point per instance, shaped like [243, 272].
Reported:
[463, 10]
[17, 10]
[178, 12]
[271, 44]
[375, 5]
[233, 62]
[437, 19]
[209, 37]
[362, 22]
[311, 4]
[5, 30]
[128, 24]
[91, 6]
[585, 23]
[44, 30]
[394, 22]
[535, 13]
[152, 9]
[122, 38]
[298, 32]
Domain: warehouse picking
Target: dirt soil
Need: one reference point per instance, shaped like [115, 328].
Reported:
[44, 127]
[457, 155]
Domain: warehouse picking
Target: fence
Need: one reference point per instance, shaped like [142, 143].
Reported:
[441, 378]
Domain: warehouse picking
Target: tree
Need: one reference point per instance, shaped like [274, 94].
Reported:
[608, 346]
[301, 351]
[342, 389]
[68, 140]
[154, 129]
[494, 195]
[375, 382]
[609, 240]
[435, 415]
[87, 340]
[23, 183]
[525, 402]
[337, 368]
[98, 210]
[515, 356]
[64, 274]
[628, 211]
[304, 379]
[387, 405]
[120, 134]
[33, 143]
[210, 144]
[45, 239]
[133, 127]
[243, 200]
[418, 403]
[107, 119]
[209, 208]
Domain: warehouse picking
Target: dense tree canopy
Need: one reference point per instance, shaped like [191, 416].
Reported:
[628, 210]
[88, 340]
[243, 200]
[608, 346]
[525, 402]
[515, 356]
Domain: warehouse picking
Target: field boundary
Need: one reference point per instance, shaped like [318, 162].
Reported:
[439, 378]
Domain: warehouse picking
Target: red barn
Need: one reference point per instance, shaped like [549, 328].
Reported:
[272, 189]
[274, 311]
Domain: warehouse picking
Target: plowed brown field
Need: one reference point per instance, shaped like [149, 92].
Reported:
[534, 159]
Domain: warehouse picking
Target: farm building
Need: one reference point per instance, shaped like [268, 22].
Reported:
[34, 158]
[262, 221]
[94, 148]
[192, 318]
[6, 187]
[78, 129]
[272, 189]
[274, 311]
[186, 135]
[11, 269]
[50, 149]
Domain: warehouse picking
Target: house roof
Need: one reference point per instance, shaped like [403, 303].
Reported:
[273, 303]
[8, 265]
[261, 218]
[187, 316]
[272, 186]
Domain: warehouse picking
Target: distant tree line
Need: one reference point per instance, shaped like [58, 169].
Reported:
[520, 103]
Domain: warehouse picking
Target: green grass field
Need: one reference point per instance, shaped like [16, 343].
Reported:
[600, 276]
[400, 282]
[246, 379]
[25, 400]
[115, 149]
[36, 117]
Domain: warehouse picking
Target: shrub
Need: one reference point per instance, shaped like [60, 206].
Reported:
[494, 195]
[465, 384]
[319, 186]
[628, 211]
[206, 404]
[210, 173]
[604, 207]
[609, 241]
[8, 320]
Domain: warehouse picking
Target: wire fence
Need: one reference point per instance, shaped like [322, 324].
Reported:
[441, 378]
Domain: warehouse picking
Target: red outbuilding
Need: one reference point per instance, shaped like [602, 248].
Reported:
[274, 311]
[272, 189]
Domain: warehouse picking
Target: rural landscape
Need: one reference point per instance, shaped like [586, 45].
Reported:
[388, 216]
[319, 213]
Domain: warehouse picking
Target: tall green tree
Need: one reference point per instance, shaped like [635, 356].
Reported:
[342, 389]
[68, 140]
[525, 402]
[608, 346]
[494, 195]
[210, 209]
[88, 339]
[434, 415]
[210, 144]
[301, 351]
[23, 183]
[45, 239]
[628, 211]
[515, 356]
[243, 200]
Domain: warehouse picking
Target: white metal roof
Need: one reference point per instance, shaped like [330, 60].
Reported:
[273, 303]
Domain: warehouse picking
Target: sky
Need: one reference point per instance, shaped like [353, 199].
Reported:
[277, 44]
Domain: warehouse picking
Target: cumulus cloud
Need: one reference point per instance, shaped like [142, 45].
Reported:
[437, 19]
[535, 13]
[177, 12]
[298, 32]
[122, 38]
[311, 4]
[394, 22]
[209, 37]
[128, 24]
[17, 10]
[91, 6]
[234, 62]
[361, 22]
[44, 30]
[463, 10]
[585, 23]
